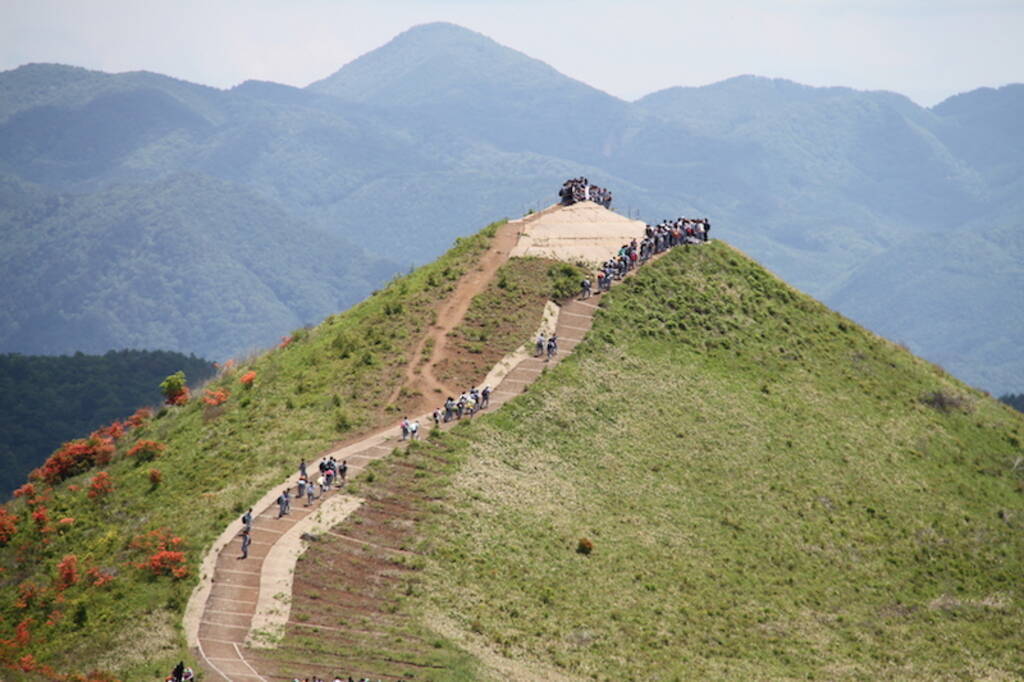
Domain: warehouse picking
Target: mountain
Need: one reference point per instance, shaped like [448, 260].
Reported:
[186, 263]
[724, 479]
[47, 400]
[466, 82]
[442, 128]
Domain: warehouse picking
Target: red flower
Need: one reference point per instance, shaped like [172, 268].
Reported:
[146, 450]
[139, 418]
[67, 571]
[248, 378]
[215, 397]
[8, 525]
[99, 577]
[100, 485]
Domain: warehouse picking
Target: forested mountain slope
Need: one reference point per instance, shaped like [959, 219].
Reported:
[47, 400]
[442, 128]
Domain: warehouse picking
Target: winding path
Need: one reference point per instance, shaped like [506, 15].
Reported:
[237, 602]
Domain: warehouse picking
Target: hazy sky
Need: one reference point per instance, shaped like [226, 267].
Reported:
[926, 49]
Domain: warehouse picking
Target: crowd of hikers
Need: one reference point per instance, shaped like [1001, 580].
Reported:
[657, 238]
[575, 190]
[469, 402]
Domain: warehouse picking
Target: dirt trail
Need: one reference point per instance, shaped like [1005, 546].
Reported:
[238, 603]
[419, 375]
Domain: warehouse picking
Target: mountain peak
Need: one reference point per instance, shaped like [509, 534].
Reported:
[431, 62]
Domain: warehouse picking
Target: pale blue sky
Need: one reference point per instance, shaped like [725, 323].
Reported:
[927, 50]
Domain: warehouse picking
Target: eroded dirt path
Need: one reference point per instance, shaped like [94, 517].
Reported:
[420, 379]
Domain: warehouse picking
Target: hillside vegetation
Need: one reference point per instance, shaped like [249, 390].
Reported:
[46, 400]
[767, 491]
[99, 553]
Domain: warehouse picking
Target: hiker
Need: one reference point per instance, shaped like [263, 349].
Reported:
[585, 289]
[540, 345]
[343, 472]
[449, 409]
[301, 488]
[552, 346]
[302, 468]
[437, 418]
[405, 427]
[282, 503]
[247, 519]
[414, 430]
[485, 396]
[246, 541]
[309, 491]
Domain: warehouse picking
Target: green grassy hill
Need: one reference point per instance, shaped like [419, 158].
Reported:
[769, 490]
[118, 611]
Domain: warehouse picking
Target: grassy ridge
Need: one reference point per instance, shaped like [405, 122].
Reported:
[770, 490]
[328, 383]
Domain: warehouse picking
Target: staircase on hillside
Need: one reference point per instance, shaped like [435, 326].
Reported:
[228, 614]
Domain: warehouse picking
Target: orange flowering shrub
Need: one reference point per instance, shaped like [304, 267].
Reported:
[67, 572]
[114, 431]
[27, 663]
[74, 457]
[27, 491]
[215, 397]
[146, 450]
[100, 577]
[285, 342]
[100, 485]
[168, 562]
[41, 517]
[8, 526]
[140, 417]
[165, 556]
[27, 593]
[248, 378]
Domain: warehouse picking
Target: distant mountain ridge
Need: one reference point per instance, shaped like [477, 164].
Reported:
[442, 128]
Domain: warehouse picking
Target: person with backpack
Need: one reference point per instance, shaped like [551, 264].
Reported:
[552, 346]
[540, 345]
[282, 503]
[485, 396]
[405, 427]
[585, 289]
